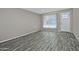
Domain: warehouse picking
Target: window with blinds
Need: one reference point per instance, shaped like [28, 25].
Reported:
[65, 21]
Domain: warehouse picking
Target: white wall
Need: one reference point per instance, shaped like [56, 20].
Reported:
[76, 22]
[17, 22]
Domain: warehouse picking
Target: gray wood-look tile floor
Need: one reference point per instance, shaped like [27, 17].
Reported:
[42, 41]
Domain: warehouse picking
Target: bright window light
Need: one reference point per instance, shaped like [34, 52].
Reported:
[49, 21]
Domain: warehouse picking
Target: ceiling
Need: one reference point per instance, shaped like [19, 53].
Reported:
[43, 10]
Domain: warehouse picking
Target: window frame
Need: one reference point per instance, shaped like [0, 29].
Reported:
[47, 16]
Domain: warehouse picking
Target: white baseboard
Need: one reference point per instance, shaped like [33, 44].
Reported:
[18, 36]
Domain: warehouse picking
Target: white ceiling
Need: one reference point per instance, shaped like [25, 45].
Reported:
[43, 10]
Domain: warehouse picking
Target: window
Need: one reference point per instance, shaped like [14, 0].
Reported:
[49, 21]
[65, 21]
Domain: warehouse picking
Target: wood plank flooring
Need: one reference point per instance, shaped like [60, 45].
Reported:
[42, 41]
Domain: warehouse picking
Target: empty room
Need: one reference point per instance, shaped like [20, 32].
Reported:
[39, 29]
